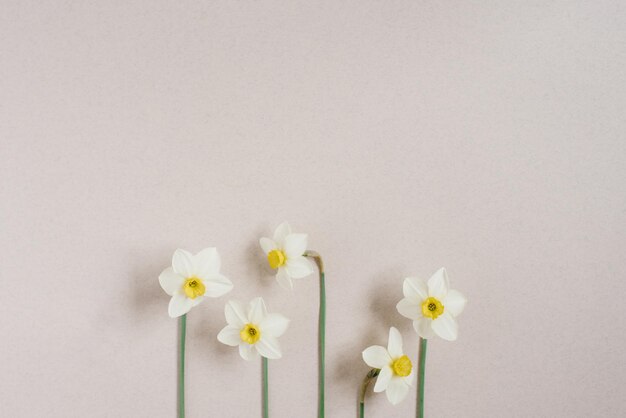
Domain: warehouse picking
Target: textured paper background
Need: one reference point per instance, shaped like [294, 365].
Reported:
[484, 136]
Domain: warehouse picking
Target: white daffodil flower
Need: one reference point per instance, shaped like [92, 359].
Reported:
[192, 278]
[432, 306]
[254, 331]
[286, 253]
[396, 370]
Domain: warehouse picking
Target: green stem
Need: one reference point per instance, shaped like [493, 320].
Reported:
[266, 404]
[370, 376]
[322, 345]
[321, 332]
[181, 367]
[420, 378]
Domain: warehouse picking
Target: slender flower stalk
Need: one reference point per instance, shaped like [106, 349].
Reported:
[322, 331]
[370, 376]
[266, 404]
[181, 367]
[420, 377]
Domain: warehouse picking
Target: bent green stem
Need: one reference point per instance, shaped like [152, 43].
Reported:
[266, 404]
[370, 376]
[420, 378]
[181, 367]
[322, 332]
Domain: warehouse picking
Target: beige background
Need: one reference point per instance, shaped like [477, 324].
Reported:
[484, 136]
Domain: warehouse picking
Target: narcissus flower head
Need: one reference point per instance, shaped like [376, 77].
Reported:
[396, 370]
[254, 330]
[286, 254]
[192, 278]
[432, 306]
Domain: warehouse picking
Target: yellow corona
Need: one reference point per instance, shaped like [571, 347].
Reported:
[276, 258]
[432, 308]
[193, 287]
[402, 366]
[250, 334]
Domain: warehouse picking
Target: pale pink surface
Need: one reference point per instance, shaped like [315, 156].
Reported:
[402, 136]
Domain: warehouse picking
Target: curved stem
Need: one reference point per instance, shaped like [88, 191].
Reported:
[181, 367]
[266, 404]
[321, 333]
[420, 378]
[370, 376]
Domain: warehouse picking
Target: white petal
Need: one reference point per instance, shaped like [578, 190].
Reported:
[454, 302]
[207, 263]
[247, 351]
[217, 285]
[376, 356]
[397, 390]
[274, 325]
[298, 267]
[283, 278]
[383, 379]
[415, 288]
[446, 326]
[267, 245]
[257, 311]
[182, 262]
[281, 233]
[235, 314]
[394, 347]
[409, 308]
[438, 284]
[423, 327]
[179, 305]
[229, 335]
[295, 245]
[268, 347]
[197, 301]
[170, 281]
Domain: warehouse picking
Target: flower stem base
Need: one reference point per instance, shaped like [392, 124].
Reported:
[266, 403]
[370, 376]
[181, 367]
[420, 377]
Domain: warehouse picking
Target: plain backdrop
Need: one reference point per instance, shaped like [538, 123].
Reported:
[484, 136]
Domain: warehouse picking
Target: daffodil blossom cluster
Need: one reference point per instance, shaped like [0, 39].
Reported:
[193, 278]
[433, 307]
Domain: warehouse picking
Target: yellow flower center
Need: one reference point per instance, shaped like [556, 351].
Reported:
[276, 258]
[250, 334]
[193, 287]
[402, 366]
[432, 308]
